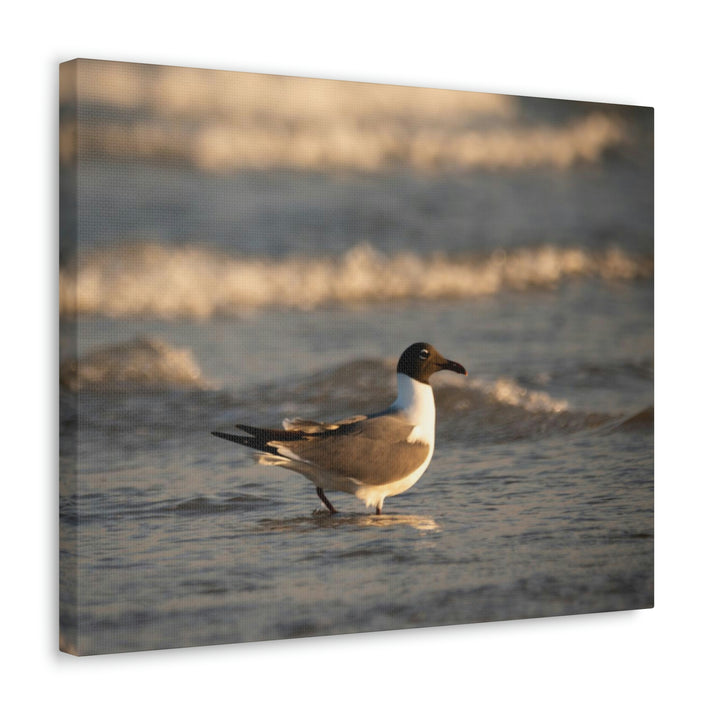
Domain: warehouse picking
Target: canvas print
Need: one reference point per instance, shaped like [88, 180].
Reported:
[340, 357]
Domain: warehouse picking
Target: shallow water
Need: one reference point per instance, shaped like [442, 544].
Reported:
[538, 501]
[542, 527]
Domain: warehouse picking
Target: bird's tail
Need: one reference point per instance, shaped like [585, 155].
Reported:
[246, 440]
[260, 438]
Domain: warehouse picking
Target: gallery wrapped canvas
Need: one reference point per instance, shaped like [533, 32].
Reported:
[424, 319]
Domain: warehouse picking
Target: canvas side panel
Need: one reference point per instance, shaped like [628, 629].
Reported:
[68, 354]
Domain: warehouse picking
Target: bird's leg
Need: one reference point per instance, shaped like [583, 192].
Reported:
[326, 502]
[378, 511]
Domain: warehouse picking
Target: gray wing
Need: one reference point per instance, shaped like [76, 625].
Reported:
[374, 451]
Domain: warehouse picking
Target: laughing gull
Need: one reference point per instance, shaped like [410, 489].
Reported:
[369, 456]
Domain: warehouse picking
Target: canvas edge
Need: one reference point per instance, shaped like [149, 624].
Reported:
[67, 394]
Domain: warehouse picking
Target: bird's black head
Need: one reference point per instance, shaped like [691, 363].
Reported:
[421, 360]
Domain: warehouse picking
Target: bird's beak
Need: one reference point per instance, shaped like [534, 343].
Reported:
[455, 367]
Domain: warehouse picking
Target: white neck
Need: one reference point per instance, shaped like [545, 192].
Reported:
[416, 401]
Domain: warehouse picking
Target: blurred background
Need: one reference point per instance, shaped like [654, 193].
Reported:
[206, 192]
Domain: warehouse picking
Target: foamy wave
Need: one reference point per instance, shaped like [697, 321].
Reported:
[509, 392]
[223, 147]
[223, 121]
[503, 391]
[348, 146]
[143, 362]
[154, 280]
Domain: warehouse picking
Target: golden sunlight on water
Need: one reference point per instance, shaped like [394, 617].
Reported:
[192, 301]
[224, 121]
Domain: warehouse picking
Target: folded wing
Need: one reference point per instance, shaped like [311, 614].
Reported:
[373, 451]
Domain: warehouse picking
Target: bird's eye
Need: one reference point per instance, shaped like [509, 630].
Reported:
[424, 354]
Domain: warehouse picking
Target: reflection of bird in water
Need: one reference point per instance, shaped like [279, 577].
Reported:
[322, 519]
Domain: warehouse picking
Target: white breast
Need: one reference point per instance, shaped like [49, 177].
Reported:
[416, 403]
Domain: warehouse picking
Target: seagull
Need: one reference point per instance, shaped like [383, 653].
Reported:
[369, 456]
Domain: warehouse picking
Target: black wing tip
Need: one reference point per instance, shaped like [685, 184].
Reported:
[251, 442]
[228, 436]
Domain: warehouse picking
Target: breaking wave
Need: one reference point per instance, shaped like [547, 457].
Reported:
[142, 362]
[189, 281]
[469, 409]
